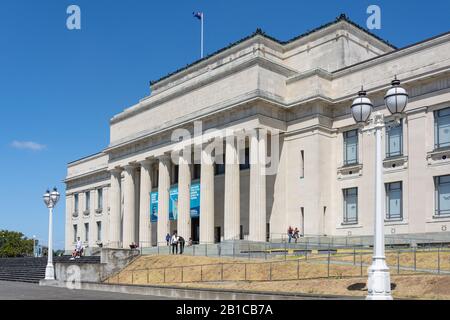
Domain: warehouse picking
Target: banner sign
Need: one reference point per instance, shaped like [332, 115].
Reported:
[154, 206]
[173, 203]
[195, 200]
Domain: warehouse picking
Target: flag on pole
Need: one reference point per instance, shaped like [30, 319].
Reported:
[199, 16]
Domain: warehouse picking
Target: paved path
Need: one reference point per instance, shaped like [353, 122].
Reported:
[27, 291]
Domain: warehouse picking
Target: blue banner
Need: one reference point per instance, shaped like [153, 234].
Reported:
[195, 200]
[154, 206]
[173, 203]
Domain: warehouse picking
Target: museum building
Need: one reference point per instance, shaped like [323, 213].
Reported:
[293, 98]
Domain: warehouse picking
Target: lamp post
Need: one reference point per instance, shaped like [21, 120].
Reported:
[50, 200]
[396, 99]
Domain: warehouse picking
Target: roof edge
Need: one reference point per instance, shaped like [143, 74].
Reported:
[260, 32]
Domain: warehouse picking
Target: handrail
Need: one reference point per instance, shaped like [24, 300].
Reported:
[355, 267]
[368, 252]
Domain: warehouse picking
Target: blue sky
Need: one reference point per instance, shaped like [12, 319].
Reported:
[59, 88]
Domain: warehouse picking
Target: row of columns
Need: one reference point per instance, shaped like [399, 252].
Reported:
[232, 197]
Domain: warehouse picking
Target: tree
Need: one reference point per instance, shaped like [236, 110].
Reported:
[14, 244]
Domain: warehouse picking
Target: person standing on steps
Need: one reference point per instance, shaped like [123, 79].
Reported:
[296, 234]
[174, 243]
[181, 241]
[290, 232]
[168, 237]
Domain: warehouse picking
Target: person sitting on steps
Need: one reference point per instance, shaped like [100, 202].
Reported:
[76, 254]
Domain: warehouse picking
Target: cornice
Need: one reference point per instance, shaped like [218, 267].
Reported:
[86, 174]
[86, 159]
[313, 72]
[317, 126]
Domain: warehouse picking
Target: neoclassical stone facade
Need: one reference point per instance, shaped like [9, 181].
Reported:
[299, 92]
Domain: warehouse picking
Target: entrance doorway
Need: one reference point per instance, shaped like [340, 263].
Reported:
[302, 222]
[195, 231]
[217, 234]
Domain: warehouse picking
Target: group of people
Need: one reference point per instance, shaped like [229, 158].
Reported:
[176, 241]
[293, 234]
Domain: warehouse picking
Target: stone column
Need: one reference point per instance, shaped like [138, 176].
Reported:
[184, 196]
[257, 209]
[163, 198]
[129, 211]
[69, 224]
[207, 197]
[145, 225]
[115, 209]
[232, 192]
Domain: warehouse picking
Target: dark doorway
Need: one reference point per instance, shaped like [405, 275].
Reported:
[217, 234]
[302, 222]
[195, 232]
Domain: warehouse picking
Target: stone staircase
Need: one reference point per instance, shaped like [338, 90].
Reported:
[32, 270]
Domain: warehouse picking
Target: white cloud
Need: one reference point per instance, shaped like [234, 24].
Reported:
[28, 145]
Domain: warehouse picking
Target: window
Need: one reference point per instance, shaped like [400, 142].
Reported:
[86, 232]
[442, 186]
[442, 128]
[100, 199]
[76, 202]
[99, 230]
[302, 164]
[246, 164]
[394, 210]
[351, 147]
[350, 205]
[88, 201]
[75, 231]
[394, 141]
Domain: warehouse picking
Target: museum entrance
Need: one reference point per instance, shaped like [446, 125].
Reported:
[195, 231]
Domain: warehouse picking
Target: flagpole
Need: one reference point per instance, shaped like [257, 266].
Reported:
[203, 17]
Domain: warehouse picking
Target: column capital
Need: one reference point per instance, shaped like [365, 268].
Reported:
[163, 157]
[130, 167]
[116, 170]
[146, 163]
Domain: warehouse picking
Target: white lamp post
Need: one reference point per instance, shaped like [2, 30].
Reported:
[396, 99]
[50, 200]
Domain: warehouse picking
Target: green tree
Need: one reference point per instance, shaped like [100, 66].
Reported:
[14, 244]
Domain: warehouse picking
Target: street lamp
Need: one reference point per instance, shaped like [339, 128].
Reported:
[50, 200]
[396, 99]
